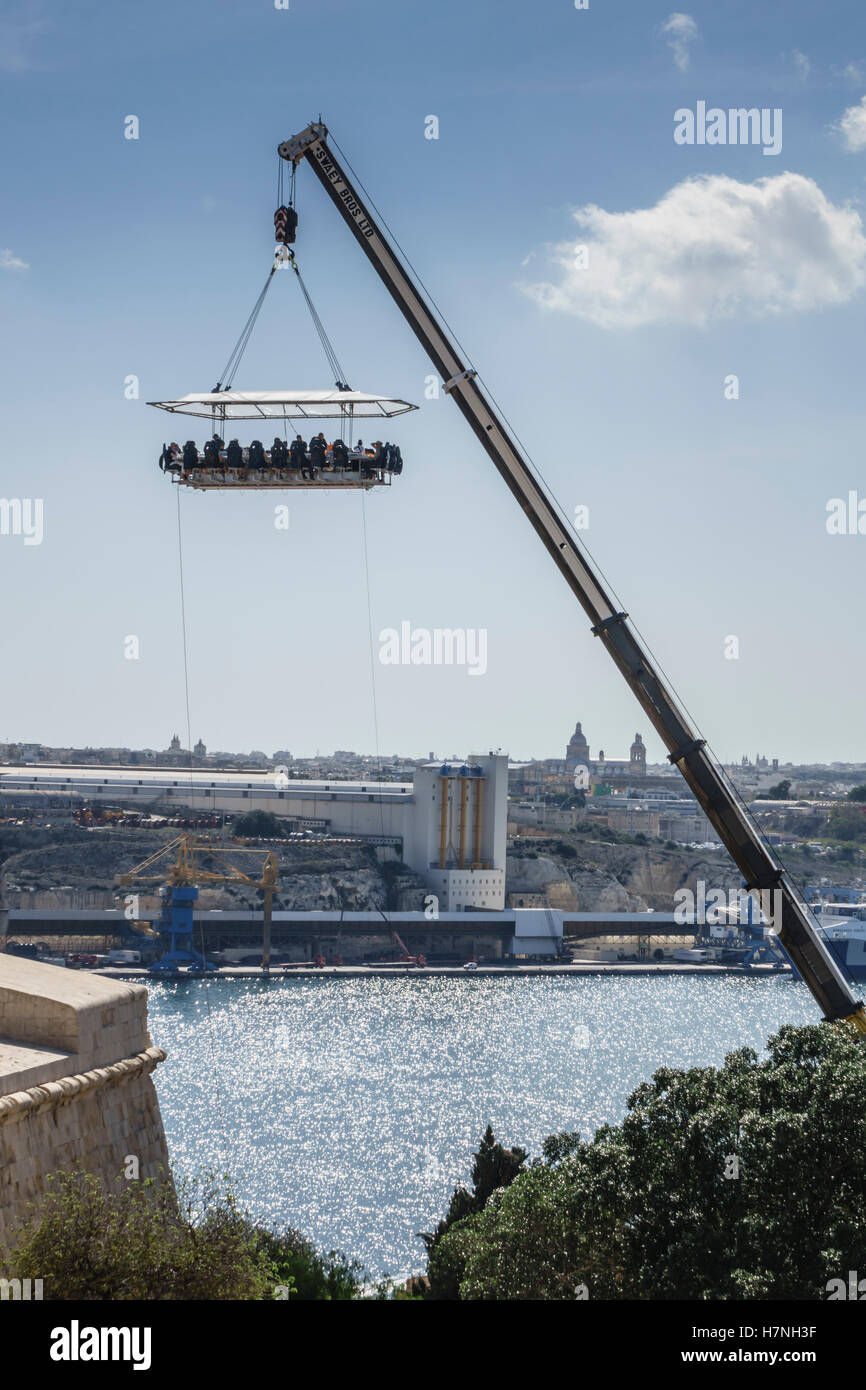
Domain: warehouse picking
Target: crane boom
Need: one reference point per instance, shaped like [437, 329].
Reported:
[762, 871]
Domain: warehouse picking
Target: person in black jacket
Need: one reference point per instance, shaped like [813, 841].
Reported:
[257, 454]
[189, 456]
[212, 451]
[234, 454]
[279, 454]
[298, 454]
[340, 454]
[168, 458]
[317, 452]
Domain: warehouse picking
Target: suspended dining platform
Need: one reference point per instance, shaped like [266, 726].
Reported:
[293, 461]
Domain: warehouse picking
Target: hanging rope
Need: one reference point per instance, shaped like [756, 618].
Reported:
[223, 1129]
[283, 257]
[281, 164]
[372, 645]
[333, 362]
[230, 369]
[228, 372]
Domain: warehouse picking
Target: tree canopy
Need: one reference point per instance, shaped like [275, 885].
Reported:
[746, 1181]
[847, 822]
[258, 825]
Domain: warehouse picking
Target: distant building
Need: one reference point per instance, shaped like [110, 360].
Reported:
[577, 752]
[611, 771]
[618, 769]
[456, 837]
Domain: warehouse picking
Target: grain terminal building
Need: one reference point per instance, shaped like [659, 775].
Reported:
[449, 823]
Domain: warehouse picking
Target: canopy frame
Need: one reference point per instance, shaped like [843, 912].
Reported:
[222, 406]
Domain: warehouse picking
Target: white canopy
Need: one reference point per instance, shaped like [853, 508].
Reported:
[285, 405]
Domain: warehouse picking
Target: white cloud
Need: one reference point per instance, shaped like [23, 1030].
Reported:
[680, 30]
[711, 248]
[852, 127]
[852, 72]
[9, 261]
[802, 64]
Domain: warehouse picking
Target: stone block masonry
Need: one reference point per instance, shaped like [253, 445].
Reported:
[76, 1088]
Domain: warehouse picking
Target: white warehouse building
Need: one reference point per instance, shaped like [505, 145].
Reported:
[451, 820]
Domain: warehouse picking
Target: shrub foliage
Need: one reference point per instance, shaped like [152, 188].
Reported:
[741, 1182]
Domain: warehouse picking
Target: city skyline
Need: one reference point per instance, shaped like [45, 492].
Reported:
[202, 751]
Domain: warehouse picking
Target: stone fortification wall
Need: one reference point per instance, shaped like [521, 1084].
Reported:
[75, 1082]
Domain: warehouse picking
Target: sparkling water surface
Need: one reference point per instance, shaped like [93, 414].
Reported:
[350, 1108]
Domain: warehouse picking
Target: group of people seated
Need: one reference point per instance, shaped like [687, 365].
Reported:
[307, 459]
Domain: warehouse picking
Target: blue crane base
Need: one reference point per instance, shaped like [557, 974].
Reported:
[175, 927]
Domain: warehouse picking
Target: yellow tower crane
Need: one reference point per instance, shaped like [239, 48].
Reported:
[179, 892]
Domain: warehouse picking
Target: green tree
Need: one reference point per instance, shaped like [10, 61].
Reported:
[137, 1240]
[311, 1276]
[493, 1168]
[741, 1182]
[258, 825]
[779, 792]
[857, 793]
[847, 822]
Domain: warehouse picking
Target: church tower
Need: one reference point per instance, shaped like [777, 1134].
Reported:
[577, 752]
[637, 756]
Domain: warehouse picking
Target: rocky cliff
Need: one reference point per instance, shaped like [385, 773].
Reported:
[75, 868]
[581, 875]
[78, 868]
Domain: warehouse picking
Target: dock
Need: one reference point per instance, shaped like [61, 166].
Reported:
[367, 972]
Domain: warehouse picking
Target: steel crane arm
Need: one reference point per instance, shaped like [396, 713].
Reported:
[137, 874]
[686, 749]
[186, 870]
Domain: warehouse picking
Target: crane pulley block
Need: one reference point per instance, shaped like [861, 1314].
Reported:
[285, 225]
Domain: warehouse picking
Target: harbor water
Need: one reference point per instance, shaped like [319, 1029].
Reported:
[349, 1109]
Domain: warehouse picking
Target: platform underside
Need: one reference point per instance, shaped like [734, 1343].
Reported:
[237, 480]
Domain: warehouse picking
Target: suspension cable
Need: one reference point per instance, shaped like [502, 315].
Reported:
[330, 354]
[228, 372]
[222, 1126]
[283, 257]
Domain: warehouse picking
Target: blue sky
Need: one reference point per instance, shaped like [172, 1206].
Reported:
[708, 515]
